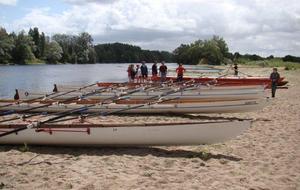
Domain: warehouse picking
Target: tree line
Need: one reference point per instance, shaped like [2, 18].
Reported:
[35, 46]
[23, 48]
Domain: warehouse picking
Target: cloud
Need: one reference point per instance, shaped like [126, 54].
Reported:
[8, 2]
[82, 2]
[253, 26]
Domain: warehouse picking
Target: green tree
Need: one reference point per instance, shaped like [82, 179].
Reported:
[213, 50]
[35, 35]
[42, 44]
[67, 43]
[125, 53]
[83, 44]
[6, 46]
[181, 54]
[22, 52]
[92, 55]
[53, 52]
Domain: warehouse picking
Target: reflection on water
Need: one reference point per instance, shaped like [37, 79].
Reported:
[42, 77]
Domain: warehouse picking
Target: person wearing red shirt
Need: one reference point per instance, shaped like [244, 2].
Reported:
[180, 70]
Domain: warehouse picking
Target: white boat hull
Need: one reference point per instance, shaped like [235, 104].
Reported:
[200, 94]
[186, 134]
[201, 107]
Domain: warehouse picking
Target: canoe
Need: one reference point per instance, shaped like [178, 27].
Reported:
[128, 100]
[197, 94]
[220, 81]
[230, 81]
[118, 135]
[156, 86]
[182, 108]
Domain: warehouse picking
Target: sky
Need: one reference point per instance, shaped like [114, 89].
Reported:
[263, 27]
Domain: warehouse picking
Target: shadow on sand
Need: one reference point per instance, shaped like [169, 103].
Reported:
[121, 151]
[191, 116]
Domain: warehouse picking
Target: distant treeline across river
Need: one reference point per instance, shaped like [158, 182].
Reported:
[36, 47]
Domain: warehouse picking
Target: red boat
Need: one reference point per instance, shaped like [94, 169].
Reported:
[219, 81]
[231, 81]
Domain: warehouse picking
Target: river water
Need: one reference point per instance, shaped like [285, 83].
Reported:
[42, 77]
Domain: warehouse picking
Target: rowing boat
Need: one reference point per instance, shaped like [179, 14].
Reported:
[197, 94]
[197, 107]
[216, 81]
[230, 81]
[62, 88]
[126, 135]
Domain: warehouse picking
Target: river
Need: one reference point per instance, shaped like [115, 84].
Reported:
[42, 77]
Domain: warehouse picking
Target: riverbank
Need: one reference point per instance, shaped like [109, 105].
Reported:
[265, 157]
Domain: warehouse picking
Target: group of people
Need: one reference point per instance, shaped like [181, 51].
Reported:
[139, 73]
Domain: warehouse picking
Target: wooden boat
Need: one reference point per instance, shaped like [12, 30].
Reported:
[122, 135]
[199, 107]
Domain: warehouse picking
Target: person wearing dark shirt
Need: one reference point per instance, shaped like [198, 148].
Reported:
[55, 88]
[144, 71]
[154, 69]
[16, 96]
[163, 72]
[236, 70]
[274, 81]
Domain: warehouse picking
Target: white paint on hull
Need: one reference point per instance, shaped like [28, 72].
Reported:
[201, 107]
[187, 134]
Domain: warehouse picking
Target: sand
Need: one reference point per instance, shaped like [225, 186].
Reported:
[267, 156]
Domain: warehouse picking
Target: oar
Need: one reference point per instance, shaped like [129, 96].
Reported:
[29, 100]
[64, 114]
[47, 95]
[132, 107]
[138, 106]
[84, 108]
[72, 98]
[64, 101]
[78, 110]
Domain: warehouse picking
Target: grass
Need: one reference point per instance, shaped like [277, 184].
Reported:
[276, 62]
[24, 148]
[35, 62]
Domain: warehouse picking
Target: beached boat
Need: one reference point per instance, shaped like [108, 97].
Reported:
[156, 86]
[230, 81]
[125, 135]
[195, 94]
[217, 81]
[197, 107]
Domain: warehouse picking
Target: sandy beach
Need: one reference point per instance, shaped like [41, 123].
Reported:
[267, 156]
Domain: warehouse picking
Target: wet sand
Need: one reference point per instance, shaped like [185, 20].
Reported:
[267, 156]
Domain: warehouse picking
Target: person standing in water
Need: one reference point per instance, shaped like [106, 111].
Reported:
[274, 81]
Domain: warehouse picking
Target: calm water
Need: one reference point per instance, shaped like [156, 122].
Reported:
[42, 77]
